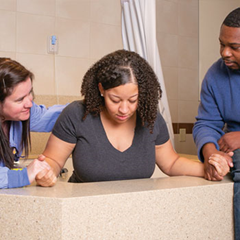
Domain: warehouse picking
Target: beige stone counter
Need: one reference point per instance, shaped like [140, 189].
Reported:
[158, 208]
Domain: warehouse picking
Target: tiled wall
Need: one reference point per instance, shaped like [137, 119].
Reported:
[177, 36]
[86, 30]
[89, 29]
[208, 41]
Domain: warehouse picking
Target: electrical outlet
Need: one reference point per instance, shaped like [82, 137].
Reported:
[182, 135]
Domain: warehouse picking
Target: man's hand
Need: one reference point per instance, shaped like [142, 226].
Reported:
[220, 164]
[229, 142]
[210, 172]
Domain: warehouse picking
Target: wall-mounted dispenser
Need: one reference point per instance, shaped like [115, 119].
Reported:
[52, 44]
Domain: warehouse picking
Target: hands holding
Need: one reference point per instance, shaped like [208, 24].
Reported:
[40, 171]
[221, 167]
[216, 163]
[36, 166]
[221, 160]
[46, 177]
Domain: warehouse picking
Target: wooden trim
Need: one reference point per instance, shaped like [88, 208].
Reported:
[187, 126]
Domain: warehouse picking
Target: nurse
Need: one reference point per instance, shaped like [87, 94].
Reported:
[18, 116]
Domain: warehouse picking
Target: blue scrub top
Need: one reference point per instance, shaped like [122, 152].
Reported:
[42, 119]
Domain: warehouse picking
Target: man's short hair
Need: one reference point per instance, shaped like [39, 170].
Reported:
[233, 19]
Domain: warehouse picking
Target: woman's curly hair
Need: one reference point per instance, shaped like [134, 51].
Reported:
[119, 68]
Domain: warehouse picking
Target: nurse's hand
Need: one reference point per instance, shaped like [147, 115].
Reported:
[35, 167]
[46, 178]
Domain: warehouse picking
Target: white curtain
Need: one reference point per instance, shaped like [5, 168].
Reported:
[139, 35]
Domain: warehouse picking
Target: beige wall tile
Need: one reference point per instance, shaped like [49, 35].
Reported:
[188, 20]
[188, 53]
[188, 146]
[106, 11]
[92, 61]
[173, 106]
[104, 39]
[187, 111]
[170, 75]
[167, 17]
[73, 9]
[68, 99]
[69, 74]
[10, 5]
[168, 49]
[193, 3]
[33, 32]
[39, 141]
[42, 67]
[47, 100]
[208, 36]
[11, 55]
[188, 84]
[73, 38]
[7, 31]
[43, 7]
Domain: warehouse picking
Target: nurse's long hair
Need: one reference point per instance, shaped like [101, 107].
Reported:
[11, 74]
[119, 68]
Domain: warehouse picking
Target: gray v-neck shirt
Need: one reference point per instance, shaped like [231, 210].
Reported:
[94, 157]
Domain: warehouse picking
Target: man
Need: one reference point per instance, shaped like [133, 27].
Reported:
[217, 129]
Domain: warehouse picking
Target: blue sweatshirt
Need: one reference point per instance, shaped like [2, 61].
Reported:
[219, 107]
[42, 119]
